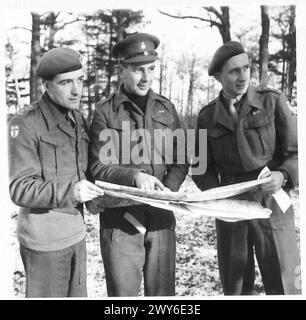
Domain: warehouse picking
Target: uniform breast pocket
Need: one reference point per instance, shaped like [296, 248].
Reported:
[56, 155]
[163, 122]
[260, 133]
[222, 142]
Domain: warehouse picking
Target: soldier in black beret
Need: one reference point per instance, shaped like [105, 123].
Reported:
[48, 161]
[139, 240]
[250, 129]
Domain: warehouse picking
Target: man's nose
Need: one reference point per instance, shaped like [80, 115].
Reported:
[145, 75]
[75, 89]
[244, 75]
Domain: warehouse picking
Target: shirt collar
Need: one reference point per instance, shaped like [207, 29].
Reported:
[250, 95]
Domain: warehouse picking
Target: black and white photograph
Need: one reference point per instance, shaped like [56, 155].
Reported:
[152, 149]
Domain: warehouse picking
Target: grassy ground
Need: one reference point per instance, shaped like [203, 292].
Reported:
[196, 267]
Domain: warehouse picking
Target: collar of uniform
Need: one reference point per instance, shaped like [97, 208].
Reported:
[54, 116]
[121, 97]
[221, 115]
[253, 98]
[227, 100]
[46, 106]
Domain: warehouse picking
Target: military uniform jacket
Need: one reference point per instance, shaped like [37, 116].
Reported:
[46, 158]
[119, 113]
[122, 117]
[264, 135]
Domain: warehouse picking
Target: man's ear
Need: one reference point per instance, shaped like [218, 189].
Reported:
[45, 84]
[120, 69]
[217, 76]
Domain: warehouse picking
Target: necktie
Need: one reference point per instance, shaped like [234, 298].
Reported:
[70, 119]
[232, 110]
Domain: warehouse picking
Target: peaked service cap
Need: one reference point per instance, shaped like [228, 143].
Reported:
[136, 48]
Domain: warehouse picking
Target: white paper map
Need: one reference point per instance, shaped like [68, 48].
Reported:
[211, 203]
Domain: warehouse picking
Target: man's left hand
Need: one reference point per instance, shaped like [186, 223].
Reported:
[277, 179]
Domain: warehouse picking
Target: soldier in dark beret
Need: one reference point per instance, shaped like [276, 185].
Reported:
[136, 241]
[249, 129]
[48, 161]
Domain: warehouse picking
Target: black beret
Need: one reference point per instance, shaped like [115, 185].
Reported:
[136, 48]
[226, 51]
[56, 61]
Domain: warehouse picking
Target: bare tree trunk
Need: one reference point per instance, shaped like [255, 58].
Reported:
[191, 85]
[90, 111]
[162, 66]
[182, 99]
[19, 103]
[292, 53]
[109, 71]
[16, 85]
[170, 86]
[161, 75]
[35, 82]
[52, 30]
[264, 46]
[225, 24]
[283, 81]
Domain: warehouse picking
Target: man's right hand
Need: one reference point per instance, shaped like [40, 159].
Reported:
[86, 191]
[147, 182]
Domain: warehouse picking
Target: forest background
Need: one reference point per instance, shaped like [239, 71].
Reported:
[267, 32]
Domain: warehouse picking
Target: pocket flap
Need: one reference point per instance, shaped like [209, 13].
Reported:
[260, 119]
[166, 121]
[113, 126]
[53, 139]
[218, 131]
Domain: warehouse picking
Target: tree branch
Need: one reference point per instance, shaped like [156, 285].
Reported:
[212, 22]
[214, 11]
[65, 24]
[22, 28]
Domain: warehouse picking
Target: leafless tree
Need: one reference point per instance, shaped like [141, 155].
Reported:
[213, 17]
[264, 46]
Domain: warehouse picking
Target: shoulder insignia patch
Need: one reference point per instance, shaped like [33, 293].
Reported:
[14, 130]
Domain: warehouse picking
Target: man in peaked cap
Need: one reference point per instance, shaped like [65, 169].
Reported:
[250, 129]
[139, 240]
[48, 160]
